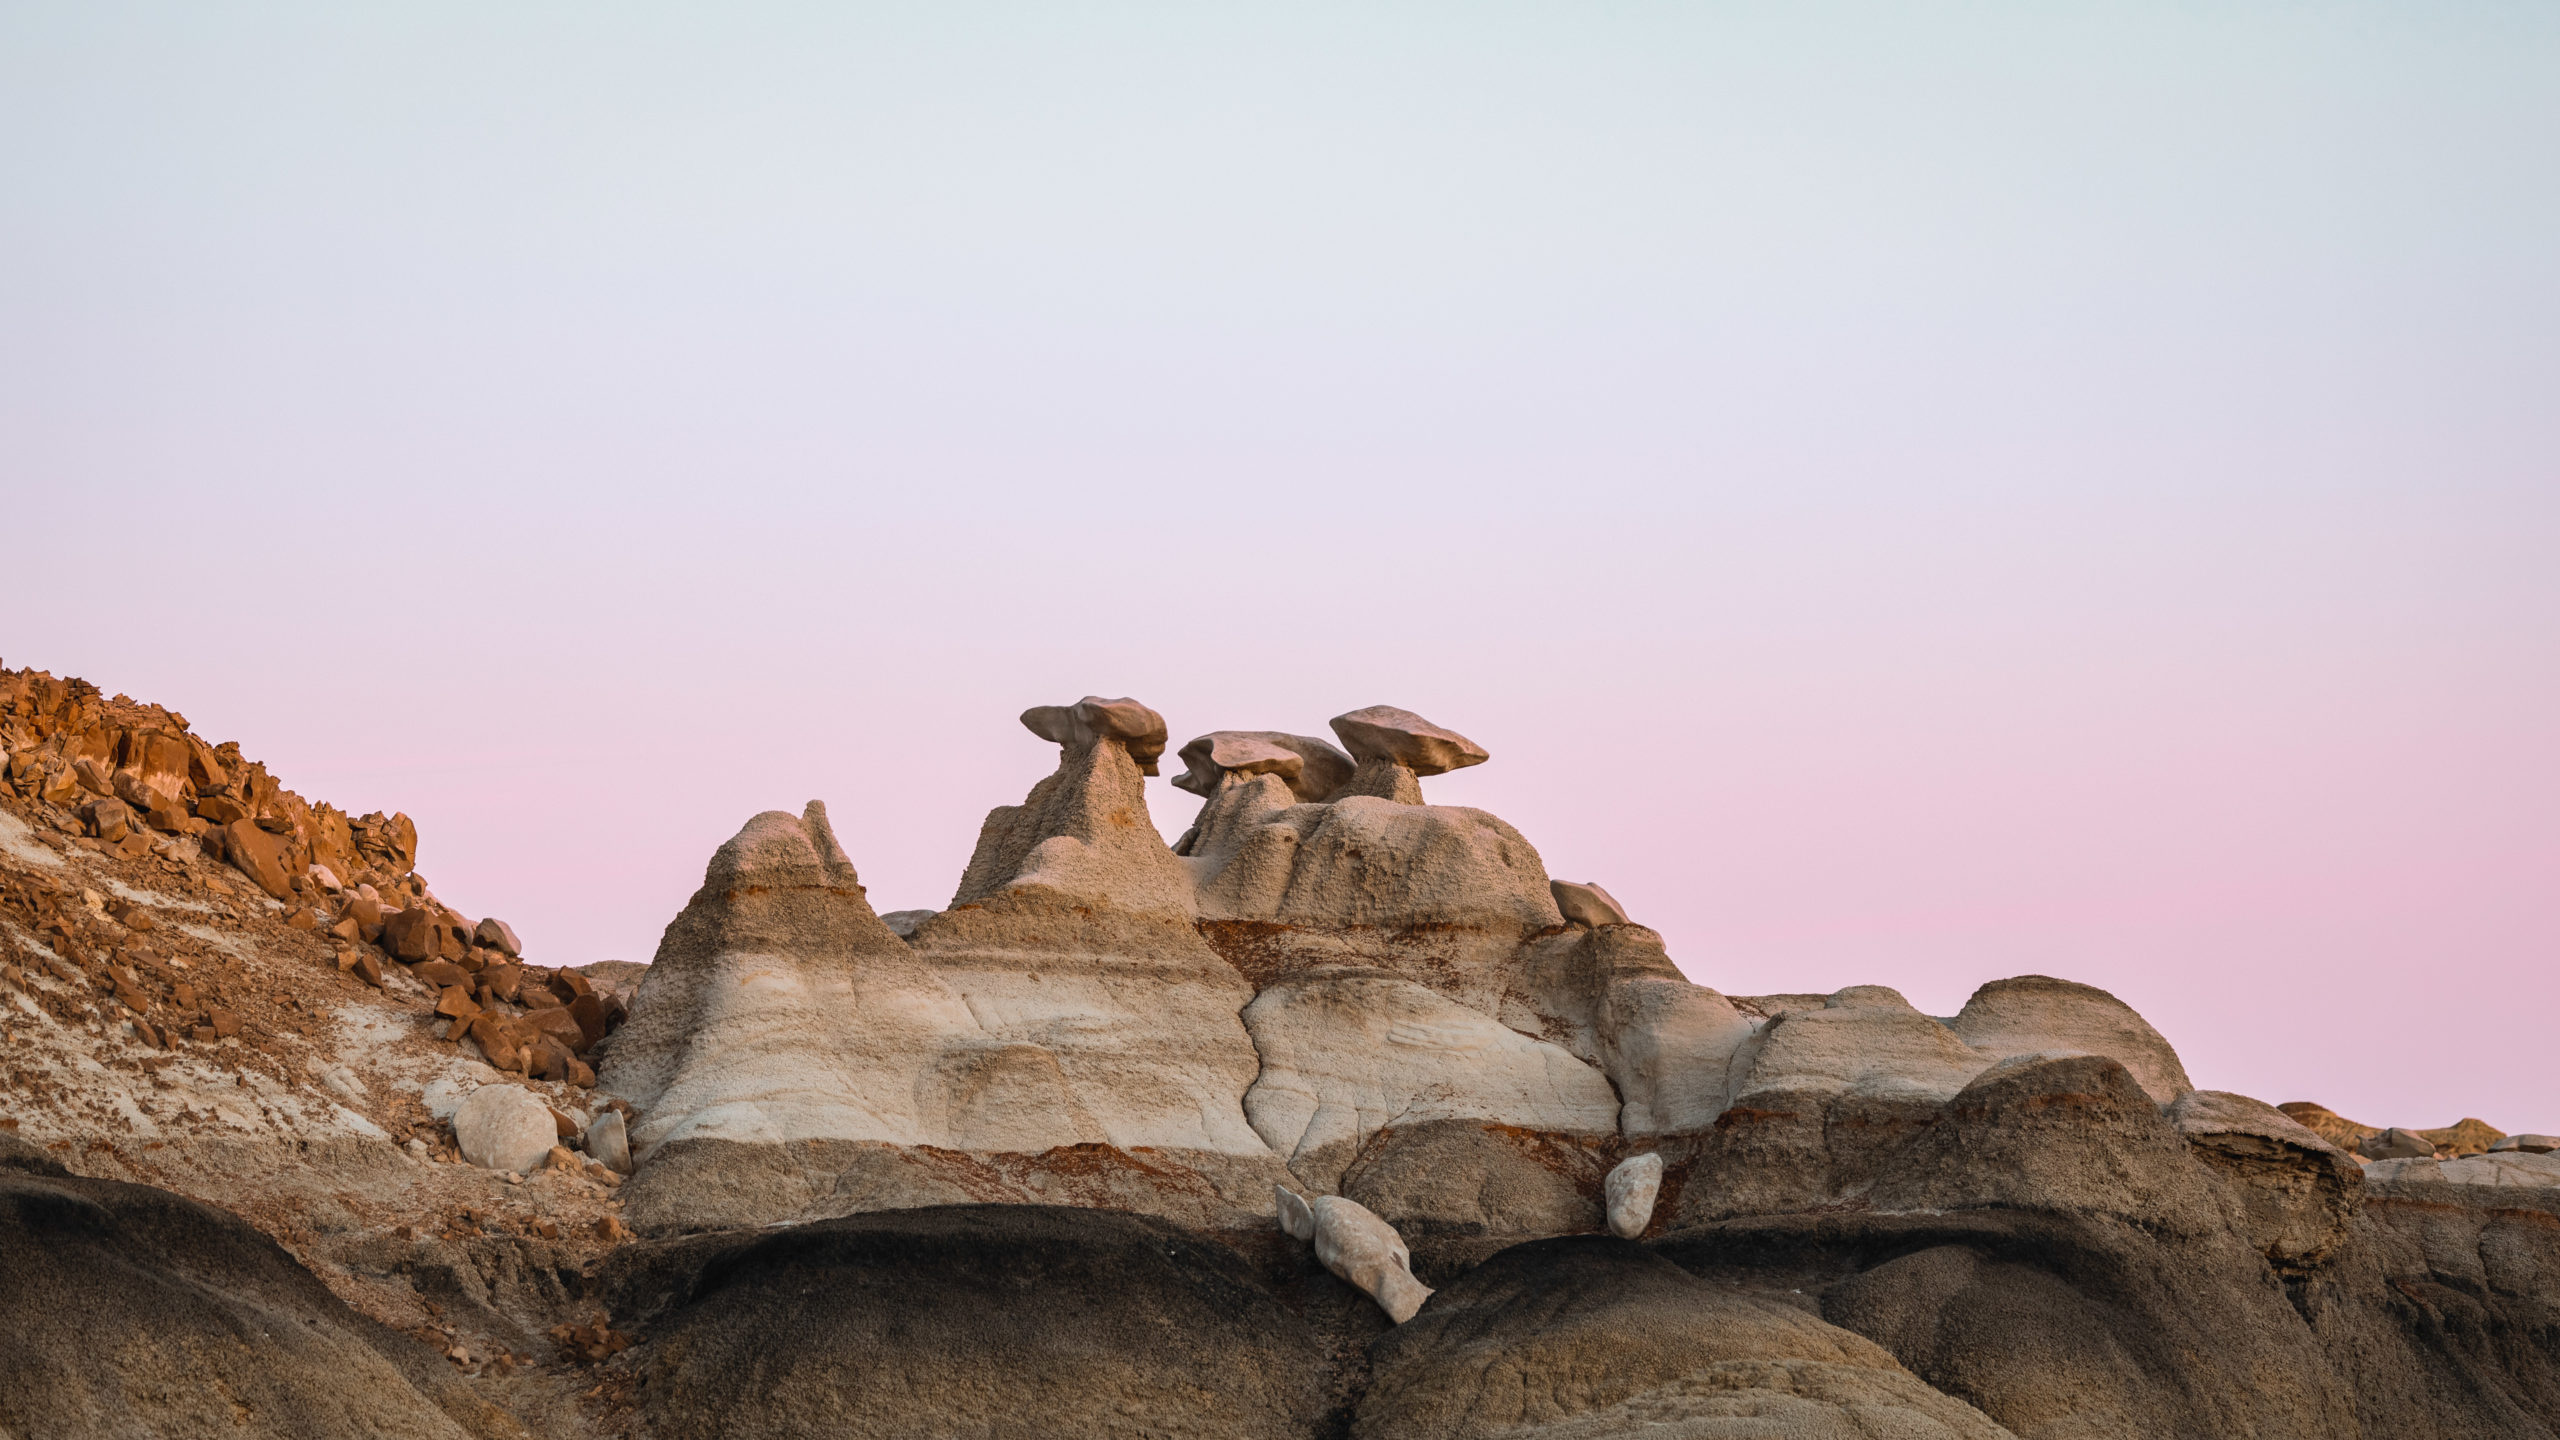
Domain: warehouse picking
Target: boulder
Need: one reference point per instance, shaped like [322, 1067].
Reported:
[1589, 1337]
[1400, 737]
[2530, 1144]
[265, 858]
[2397, 1144]
[498, 935]
[1586, 904]
[1611, 995]
[607, 1142]
[903, 923]
[1311, 768]
[1633, 1185]
[504, 1127]
[2034, 1013]
[1137, 729]
[1360, 1249]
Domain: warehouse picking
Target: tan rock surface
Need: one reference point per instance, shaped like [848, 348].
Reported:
[2036, 1012]
[1383, 732]
[1347, 1054]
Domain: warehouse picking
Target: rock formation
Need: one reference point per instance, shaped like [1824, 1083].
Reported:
[1060, 1031]
[1009, 1166]
[1358, 1247]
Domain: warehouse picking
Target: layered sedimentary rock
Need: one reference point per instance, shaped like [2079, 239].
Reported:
[1060, 1031]
[129, 1311]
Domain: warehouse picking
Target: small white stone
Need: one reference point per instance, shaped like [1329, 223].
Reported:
[1632, 1188]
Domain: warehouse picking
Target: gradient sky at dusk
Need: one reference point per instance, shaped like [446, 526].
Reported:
[1908, 494]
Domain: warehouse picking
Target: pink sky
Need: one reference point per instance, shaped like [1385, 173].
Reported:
[1903, 502]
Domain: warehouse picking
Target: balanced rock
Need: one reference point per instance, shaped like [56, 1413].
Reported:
[504, 1127]
[1140, 730]
[1400, 737]
[1587, 904]
[1310, 767]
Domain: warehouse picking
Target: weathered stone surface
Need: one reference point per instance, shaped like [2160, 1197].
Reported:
[1592, 1337]
[2300, 1192]
[504, 1127]
[1612, 996]
[971, 1320]
[1633, 1185]
[1346, 1054]
[1587, 904]
[263, 857]
[1360, 1249]
[1383, 732]
[1136, 728]
[2529, 1143]
[1035, 1016]
[607, 1141]
[498, 935]
[1442, 895]
[2397, 1144]
[130, 1311]
[2039, 1013]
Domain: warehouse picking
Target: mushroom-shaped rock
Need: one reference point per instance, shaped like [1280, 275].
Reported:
[1631, 1188]
[1358, 1247]
[1587, 904]
[1312, 768]
[1383, 732]
[504, 1127]
[1095, 718]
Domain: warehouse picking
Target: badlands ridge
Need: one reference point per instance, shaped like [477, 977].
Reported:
[1338, 1117]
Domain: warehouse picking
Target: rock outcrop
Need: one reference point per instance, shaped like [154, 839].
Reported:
[129, 1311]
[1010, 1166]
[1060, 1031]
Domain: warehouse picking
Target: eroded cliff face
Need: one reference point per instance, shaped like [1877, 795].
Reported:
[1065, 1101]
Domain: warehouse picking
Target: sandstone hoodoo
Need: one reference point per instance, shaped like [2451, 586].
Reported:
[1339, 1116]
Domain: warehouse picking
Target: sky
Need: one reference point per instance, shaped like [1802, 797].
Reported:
[1908, 494]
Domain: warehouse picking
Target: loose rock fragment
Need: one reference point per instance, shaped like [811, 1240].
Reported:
[1357, 1246]
[608, 1143]
[1631, 1189]
[504, 1127]
[498, 935]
